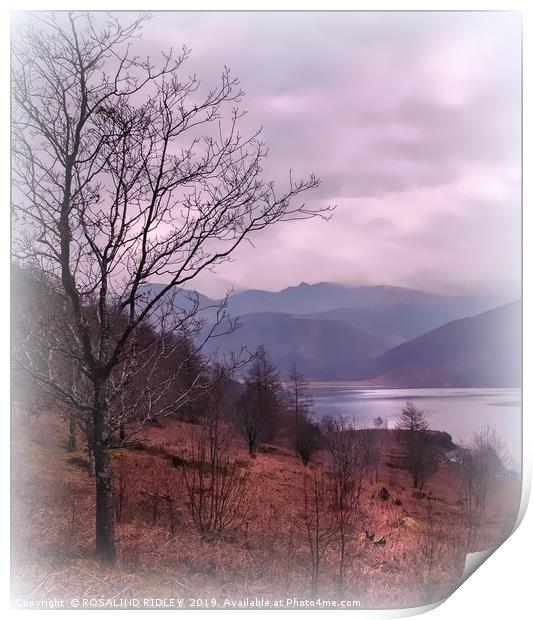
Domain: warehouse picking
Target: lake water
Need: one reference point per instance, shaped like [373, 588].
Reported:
[458, 411]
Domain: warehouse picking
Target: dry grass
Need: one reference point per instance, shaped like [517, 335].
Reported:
[53, 514]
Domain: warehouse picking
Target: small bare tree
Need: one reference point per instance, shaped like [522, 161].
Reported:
[299, 400]
[306, 438]
[304, 432]
[481, 465]
[467, 470]
[490, 458]
[368, 440]
[217, 486]
[318, 521]
[161, 497]
[124, 172]
[346, 469]
[258, 408]
[412, 419]
[379, 423]
[431, 546]
[422, 458]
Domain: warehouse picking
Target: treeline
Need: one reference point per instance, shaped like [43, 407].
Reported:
[162, 372]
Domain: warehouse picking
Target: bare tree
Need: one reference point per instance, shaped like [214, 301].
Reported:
[481, 465]
[468, 473]
[161, 497]
[347, 464]
[305, 433]
[299, 400]
[218, 494]
[369, 446]
[259, 406]
[422, 458]
[379, 423]
[490, 458]
[412, 419]
[124, 172]
[306, 437]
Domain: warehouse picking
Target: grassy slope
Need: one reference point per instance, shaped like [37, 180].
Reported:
[53, 514]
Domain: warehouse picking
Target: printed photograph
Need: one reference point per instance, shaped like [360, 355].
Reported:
[266, 315]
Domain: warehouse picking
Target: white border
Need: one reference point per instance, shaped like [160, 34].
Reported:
[500, 587]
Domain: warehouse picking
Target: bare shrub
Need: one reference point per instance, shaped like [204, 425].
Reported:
[217, 488]
[162, 501]
[306, 437]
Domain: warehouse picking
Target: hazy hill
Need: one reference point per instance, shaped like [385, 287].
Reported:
[479, 351]
[401, 322]
[322, 349]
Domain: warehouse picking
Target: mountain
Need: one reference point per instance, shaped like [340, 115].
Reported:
[391, 312]
[321, 349]
[307, 299]
[479, 351]
[335, 332]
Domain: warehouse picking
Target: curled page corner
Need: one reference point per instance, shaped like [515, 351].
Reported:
[475, 559]
[473, 562]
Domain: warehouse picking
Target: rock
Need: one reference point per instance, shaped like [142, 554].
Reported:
[380, 541]
[409, 523]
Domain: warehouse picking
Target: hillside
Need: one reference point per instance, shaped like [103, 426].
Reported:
[398, 323]
[53, 509]
[320, 348]
[479, 351]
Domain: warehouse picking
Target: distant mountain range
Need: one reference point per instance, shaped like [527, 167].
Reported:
[388, 334]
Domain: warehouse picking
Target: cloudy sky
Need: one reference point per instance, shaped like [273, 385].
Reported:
[412, 122]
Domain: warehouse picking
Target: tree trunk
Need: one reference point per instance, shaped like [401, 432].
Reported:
[105, 510]
[71, 434]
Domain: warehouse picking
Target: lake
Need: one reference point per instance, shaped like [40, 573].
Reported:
[458, 411]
